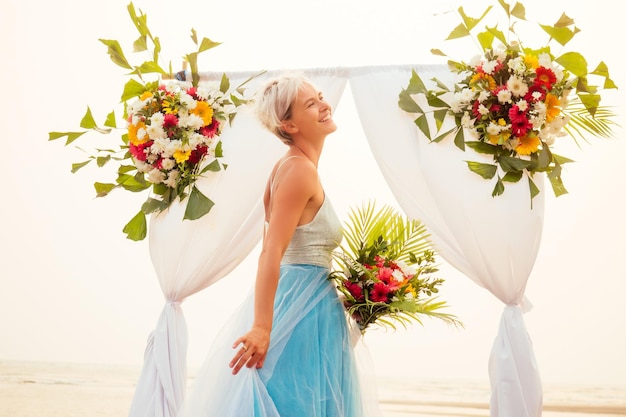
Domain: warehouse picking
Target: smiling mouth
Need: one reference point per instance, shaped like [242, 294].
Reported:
[327, 118]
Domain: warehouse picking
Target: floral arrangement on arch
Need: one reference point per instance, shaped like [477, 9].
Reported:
[172, 129]
[514, 100]
[385, 269]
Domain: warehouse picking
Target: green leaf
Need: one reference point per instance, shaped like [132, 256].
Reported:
[554, 176]
[470, 22]
[408, 104]
[498, 189]
[440, 116]
[560, 34]
[149, 67]
[416, 85]
[214, 166]
[79, 165]
[198, 205]
[110, 120]
[487, 171]
[437, 52]
[207, 44]
[519, 11]
[534, 190]
[485, 39]
[224, 83]
[513, 176]
[459, 32]
[71, 136]
[459, 138]
[136, 229]
[219, 150]
[115, 52]
[152, 205]
[140, 44]
[102, 189]
[88, 121]
[511, 163]
[482, 147]
[132, 88]
[573, 62]
[498, 34]
[422, 124]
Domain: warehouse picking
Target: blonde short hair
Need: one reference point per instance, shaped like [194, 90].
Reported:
[274, 100]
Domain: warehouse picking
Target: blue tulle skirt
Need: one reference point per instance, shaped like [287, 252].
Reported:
[310, 369]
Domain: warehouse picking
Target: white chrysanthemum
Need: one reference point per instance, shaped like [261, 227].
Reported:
[489, 66]
[536, 95]
[517, 86]
[155, 176]
[172, 178]
[504, 96]
[517, 65]
[195, 139]
[537, 121]
[168, 164]
[187, 101]
[493, 129]
[482, 109]
[558, 72]
[483, 95]
[522, 104]
[141, 134]
[500, 54]
[397, 275]
[135, 106]
[160, 145]
[467, 121]
[157, 119]
[172, 87]
[456, 106]
[475, 61]
[172, 147]
[156, 132]
[191, 121]
[142, 166]
[466, 95]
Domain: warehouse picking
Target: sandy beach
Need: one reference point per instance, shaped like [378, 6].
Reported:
[77, 390]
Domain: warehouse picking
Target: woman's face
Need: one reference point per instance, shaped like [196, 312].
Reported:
[311, 115]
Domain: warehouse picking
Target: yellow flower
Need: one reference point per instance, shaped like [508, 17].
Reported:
[483, 79]
[204, 111]
[500, 138]
[146, 95]
[181, 155]
[553, 107]
[531, 61]
[132, 133]
[528, 144]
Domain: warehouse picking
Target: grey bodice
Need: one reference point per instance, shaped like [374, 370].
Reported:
[313, 243]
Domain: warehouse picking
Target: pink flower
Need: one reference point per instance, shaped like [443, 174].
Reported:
[355, 290]
[379, 293]
[197, 154]
[384, 274]
[169, 121]
[139, 151]
[210, 130]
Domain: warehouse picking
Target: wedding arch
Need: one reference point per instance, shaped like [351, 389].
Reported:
[470, 229]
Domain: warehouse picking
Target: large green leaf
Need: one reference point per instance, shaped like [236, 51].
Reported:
[487, 171]
[198, 205]
[115, 52]
[132, 88]
[573, 62]
[88, 121]
[560, 34]
[71, 136]
[408, 104]
[136, 229]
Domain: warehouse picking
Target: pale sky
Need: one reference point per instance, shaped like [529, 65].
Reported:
[73, 288]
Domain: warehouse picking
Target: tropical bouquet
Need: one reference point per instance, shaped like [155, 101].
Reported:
[385, 270]
[513, 100]
[171, 129]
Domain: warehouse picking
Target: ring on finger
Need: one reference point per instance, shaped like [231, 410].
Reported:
[245, 349]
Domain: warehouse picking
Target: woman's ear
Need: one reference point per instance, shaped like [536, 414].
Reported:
[288, 127]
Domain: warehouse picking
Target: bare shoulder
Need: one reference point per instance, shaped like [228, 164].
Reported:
[299, 173]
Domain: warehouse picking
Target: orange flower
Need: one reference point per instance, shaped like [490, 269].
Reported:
[132, 133]
[528, 144]
[204, 111]
[486, 80]
[553, 107]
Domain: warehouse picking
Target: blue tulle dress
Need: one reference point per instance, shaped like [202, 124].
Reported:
[310, 369]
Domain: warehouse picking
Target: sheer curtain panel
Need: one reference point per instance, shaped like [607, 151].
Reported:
[494, 241]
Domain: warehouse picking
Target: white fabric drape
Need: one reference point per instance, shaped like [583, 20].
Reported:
[189, 256]
[494, 241]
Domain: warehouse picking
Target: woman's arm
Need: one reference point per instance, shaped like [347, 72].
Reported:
[295, 187]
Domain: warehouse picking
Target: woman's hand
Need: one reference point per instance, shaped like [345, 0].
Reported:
[252, 348]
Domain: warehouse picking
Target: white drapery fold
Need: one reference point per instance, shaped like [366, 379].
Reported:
[188, 256]
[494, 241]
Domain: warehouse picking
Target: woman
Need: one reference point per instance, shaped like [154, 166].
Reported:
[292, 352]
